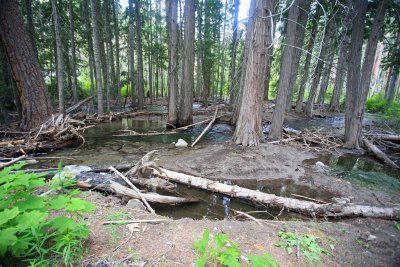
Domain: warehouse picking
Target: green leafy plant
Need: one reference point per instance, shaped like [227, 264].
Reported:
[28, 228]
[307, 244]
[225, 252]
[397, 226]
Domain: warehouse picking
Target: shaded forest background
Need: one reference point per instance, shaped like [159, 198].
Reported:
[302, 54]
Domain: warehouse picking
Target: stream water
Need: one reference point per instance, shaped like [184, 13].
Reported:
[103, 146]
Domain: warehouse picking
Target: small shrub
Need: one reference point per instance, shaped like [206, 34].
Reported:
[28, 231]
[226, 252]
[308, 245]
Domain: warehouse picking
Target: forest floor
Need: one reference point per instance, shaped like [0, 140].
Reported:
[350, 242]
[286, 168]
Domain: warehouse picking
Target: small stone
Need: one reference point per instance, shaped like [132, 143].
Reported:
[341, 200]
[371, 237]
[321, 167]
[181, 143]
[135, 204]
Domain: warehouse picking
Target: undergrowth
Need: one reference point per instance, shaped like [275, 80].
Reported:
[225, 252]
[378, 104]
[305, 244]
[29, 229]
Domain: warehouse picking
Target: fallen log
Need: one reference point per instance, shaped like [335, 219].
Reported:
[378, 153]
[12, 142]
[150, 196]
[77, 105]
[300, 206]
[135, 221]
[386, 137]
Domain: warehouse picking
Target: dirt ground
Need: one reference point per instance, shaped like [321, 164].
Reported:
[170, 243]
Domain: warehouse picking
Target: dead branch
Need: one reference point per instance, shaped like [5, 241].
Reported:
[377, 152]
[11, 162]
[205, 130]
[134, 188]
[135, 221]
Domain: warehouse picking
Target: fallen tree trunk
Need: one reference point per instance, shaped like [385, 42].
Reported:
[377, 152]
[205, 130]
[295, 205]
[386, 137]
[150, 196]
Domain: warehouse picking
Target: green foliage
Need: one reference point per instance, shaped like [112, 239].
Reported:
[225, 252]
[308, 245]
[397, 226]
[376, 104]
[28, 232]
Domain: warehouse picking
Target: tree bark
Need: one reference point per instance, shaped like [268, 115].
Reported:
[30, 24]
[132, 54]
[304, 9]
[325, 80]
[140, 80]
[360, 92]
[97, 57]
[341, 72]
[186, 112]
[34, 98]
[232, 74]
[306, 68]
[286, 70]
[320, 65]
[90, 48]
[248, 128]
[60, 60]
[117, 52]
[172, 27]
[110, 50]
[73, 52]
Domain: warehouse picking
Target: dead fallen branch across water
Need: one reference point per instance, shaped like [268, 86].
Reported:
[300, 206]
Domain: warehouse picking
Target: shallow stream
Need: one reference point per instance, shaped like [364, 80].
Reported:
[104, 146]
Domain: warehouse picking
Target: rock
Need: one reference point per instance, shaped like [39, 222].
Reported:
[71, 171]
[371, 238]
[135, 204]
[181, 143]
[341, 200]
[266, 128]
[321, 167]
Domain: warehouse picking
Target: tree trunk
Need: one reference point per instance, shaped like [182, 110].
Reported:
[306, 68]
[110, 51]
[73, 52]
[150, 56]
[341, 72]
[329, 31]
[117, 52]
[140, 80]
[286, 71]
[172, 27]
[248, 129]
[30, 24]
[304, 9]
[325, 80]
[235, 14]
[60, 60]
[294, 205]
[97, 57]
[270, 33]
[90, 48]
[222, 76]
[34, 98]
[186, 112]
[360, 93]
[132, 53]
